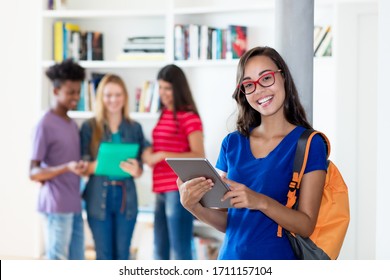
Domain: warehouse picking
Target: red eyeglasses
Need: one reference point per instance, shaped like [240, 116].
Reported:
[265, 80]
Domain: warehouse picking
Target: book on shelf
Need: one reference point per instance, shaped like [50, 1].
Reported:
[237, 41]
[88, 92]
[219, 43]
[93, 45]
[147, 43]
[142, 97]
[66, 40]
[202, 42]
[143, 48]
[97, 46]
[96, 78]
[83, 104]
[179, 45]
[193, 38]
[187, 42]
[58, 34]
[319, 39]
[148, 98]
[50, 4]
[71, 42]
[72, 39]
[56, 4]
[146, 40]
[155, 103]
[137, 95]
[91, 95]
[214, 43]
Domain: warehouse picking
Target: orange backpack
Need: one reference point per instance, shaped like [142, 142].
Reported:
[333, 217]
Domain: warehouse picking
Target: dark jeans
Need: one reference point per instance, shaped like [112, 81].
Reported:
[173, 228]
[112, 236]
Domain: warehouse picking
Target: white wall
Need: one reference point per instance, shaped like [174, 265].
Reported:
[383, 134]
[18, 74]
[356, 129]
[345, 108]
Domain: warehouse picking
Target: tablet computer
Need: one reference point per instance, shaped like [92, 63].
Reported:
[110, 156]
[189, 168]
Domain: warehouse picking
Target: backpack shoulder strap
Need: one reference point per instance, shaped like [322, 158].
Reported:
[300, 161]
[302, 153]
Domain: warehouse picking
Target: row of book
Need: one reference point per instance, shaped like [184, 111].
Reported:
[323, 40]
[202, 42]
[147, 98]
[143, 48]
[88, 93]
[56, 4]
[72, 42]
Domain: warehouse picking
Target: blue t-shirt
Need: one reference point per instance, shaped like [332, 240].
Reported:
[250, 234]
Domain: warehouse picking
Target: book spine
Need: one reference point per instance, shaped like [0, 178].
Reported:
[204, 41]
[89, 45]
[58, 41]
[179, 42]
[194, 42]
[238, 39]
[97, 46]
[155, 105]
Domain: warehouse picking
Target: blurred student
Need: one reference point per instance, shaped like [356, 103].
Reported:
[111, 201]
[257, 161]
[56, 164]
[178, 133]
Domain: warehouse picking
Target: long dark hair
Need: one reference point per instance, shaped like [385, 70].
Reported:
[293, 109]
[182, 96]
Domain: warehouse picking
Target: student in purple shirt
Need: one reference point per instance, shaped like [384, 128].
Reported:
[56, 164]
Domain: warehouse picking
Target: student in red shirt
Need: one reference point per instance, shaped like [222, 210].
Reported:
[178, 133]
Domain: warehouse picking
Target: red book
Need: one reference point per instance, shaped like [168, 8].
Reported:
[236, 41]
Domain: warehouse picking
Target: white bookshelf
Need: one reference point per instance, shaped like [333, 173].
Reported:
[120, 19]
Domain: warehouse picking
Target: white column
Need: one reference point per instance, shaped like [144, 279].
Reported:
[294, 41]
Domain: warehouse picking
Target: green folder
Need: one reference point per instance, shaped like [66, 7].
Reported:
[110, 155]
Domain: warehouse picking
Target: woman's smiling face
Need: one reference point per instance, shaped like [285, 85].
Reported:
[266, 100]
[113, 98]
[166, 94]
